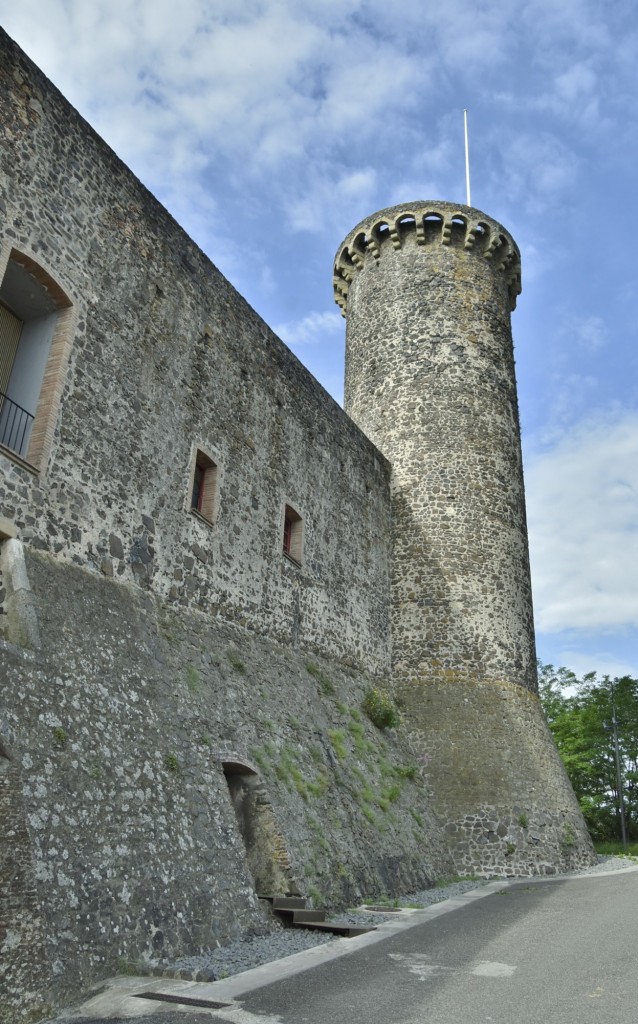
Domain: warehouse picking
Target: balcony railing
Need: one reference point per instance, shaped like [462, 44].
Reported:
[15, 426]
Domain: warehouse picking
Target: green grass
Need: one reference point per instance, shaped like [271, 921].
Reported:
[192, 678]
[324, 683]
[316, 753]
[261, 757]
[616, 849]
[338, 740]
[319, 786]
[236, 662]
[450, 879]
[123, 966]
[291, 774]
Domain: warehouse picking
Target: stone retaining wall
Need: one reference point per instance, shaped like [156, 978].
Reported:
[121, 724]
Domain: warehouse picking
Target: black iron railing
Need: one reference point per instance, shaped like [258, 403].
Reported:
[15, 425]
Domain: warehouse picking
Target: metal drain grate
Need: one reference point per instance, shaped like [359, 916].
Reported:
[162, 997]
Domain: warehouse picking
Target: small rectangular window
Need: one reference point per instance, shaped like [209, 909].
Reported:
[204, 487]
[293, 534]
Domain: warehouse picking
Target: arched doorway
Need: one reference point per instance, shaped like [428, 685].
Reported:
[266, 851]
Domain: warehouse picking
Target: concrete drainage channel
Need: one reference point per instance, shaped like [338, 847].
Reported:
[181, 1000]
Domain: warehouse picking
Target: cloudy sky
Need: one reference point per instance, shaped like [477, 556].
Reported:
[269, 128]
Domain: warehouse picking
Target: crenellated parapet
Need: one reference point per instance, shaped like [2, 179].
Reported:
[428, 223]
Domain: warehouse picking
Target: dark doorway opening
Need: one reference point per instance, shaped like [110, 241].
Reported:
[266, 851]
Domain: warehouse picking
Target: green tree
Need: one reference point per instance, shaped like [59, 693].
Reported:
[581, 713]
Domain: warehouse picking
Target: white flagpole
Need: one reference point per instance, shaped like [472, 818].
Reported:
[467, 160]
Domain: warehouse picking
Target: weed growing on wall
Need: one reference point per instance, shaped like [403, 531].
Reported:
[569, 836]
[192, 678]
[59, 737]
[123, 966]
[361, 745]
[236, 662]
[381, 709]
[325, 684]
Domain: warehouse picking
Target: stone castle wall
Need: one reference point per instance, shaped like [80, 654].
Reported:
[166, 357]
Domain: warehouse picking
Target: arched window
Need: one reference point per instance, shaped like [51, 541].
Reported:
[36, 329]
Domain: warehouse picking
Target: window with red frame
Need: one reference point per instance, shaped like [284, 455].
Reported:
[293, 534]
[204, 489]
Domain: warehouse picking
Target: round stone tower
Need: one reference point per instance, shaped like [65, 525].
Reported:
[427, 289]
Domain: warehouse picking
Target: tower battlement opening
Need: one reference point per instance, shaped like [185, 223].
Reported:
[427, 223]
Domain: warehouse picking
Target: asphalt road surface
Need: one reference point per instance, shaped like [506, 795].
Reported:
[562, 952]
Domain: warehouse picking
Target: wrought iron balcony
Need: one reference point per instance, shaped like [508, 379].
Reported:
[15, 426]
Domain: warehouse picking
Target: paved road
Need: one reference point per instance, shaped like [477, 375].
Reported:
[551, 953]
[560, 952]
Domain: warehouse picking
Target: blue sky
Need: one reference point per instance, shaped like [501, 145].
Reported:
[269, 128]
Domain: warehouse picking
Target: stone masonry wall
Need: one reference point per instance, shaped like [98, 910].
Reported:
[496, 778]
[121, 721]
[166, 358]
[24, 966]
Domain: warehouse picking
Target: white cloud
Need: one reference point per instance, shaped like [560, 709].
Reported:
[588, 332]
[583, 523]
[536, 168]
[310, 329]
[321, 201]
[568, 396]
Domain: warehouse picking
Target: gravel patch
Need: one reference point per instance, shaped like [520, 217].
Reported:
[609, 863]
[243, 954]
